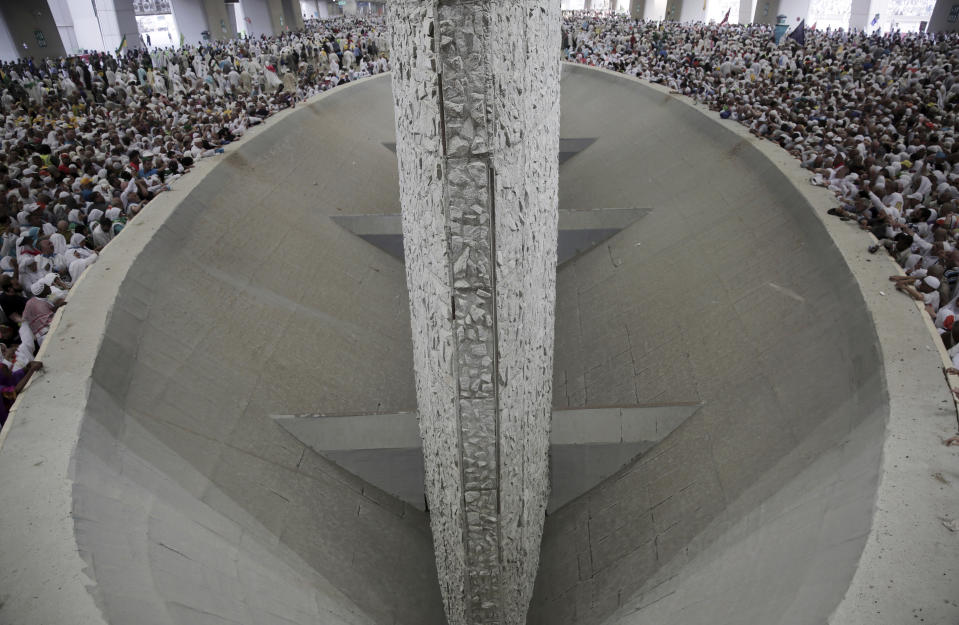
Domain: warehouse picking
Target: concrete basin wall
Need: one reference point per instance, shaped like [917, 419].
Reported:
[144, 481]
[735, 291]
[231, 298]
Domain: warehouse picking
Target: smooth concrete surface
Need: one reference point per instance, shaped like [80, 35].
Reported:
[218, 22]
[939, 21]
[258, 14]
[191, 20]
[737, 290]
[8, 47]
[117, 20]
[65, 26]
[23, 20]
[144, 482]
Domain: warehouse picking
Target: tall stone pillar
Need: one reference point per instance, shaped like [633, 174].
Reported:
[8, 47]
[218, 21]
[116, 21]
[476, 95]
[60, 11]
[256, 14]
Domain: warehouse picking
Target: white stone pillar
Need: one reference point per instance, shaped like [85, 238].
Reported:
[8, 47]
[476, 94]
[116, 21]
[64, 20]
[310, 8]
[256, 17]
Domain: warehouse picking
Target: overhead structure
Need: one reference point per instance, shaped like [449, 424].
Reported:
[476, 100]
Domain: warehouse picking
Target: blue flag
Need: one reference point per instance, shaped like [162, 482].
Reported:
[798, 34]
[875, 20]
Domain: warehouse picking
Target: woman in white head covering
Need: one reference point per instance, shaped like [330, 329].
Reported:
[77, 250]
[8, 242]
[100, 235]
[80, 265]
[30, 271]
[59, 242]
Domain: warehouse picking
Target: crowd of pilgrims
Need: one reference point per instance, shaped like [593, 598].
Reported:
[88, 141]
[871, 116]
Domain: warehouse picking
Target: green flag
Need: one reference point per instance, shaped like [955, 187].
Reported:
[123, 44]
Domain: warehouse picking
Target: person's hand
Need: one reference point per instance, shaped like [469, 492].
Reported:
[36, 365]
[951, 441]
[951, 371]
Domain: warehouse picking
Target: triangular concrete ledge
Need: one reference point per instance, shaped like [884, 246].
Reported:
[588, 445]
[579, 230]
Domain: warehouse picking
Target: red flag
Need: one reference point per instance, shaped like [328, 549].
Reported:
[726, 19]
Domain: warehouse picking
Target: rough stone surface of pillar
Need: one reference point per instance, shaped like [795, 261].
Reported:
[476, 94]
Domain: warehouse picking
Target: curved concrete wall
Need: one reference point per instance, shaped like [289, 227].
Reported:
[144, 482]
[733, 291]
[235, 298]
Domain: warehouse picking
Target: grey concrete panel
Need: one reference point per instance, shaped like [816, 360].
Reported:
[803, 491]
[733, 291]
[23, 20]
[189, 504]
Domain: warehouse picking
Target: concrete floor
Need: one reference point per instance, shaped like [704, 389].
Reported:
[145, 483]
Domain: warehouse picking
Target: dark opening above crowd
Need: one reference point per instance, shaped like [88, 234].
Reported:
[88, 141]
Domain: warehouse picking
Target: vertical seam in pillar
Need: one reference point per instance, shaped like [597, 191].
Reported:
[489, 111]
[496, 410]
[439, 89]
[464, 528]
[525, 427]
